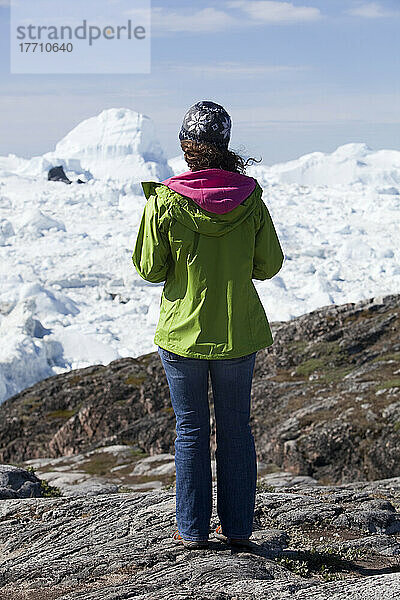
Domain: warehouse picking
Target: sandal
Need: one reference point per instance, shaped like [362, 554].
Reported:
[192, 544]
[233, 541]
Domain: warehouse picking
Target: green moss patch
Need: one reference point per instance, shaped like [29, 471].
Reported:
[139, 453]
[262, 486]
[135, 380]
[298, 347]
[323, 356]
[99, 463]
[62, 413]
[331, 376]
[327, 564]
[309, 366]
[388, 356]
[367, 314]
[31, 403]
[389, 383]
[318, 553]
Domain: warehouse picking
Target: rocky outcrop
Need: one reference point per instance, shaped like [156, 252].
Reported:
[16, 482]
[336, 374]
[108, 469]
[76, 411]
[325, 400]
[112, 469]
[320, 543]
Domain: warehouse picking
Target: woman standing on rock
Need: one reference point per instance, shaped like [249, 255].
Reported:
[207, 233]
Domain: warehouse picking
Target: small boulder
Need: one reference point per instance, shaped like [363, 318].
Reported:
[18, 483]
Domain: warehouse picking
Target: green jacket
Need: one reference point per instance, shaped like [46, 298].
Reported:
[209, 307]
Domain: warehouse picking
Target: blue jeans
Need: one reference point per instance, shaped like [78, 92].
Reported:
[236, 463]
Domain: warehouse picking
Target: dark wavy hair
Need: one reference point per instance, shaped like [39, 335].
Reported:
[203, 155]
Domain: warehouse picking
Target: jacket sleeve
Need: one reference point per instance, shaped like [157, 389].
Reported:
[152, 254]
[268, 255]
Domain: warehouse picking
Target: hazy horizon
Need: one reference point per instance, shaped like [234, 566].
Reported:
[296, 77]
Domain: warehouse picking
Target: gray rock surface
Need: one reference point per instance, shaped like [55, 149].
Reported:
[107, 469]
[119, 547]
[287, 479]
[118, 468]
[16, 482]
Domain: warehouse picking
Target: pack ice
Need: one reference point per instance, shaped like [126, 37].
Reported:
[70, 296]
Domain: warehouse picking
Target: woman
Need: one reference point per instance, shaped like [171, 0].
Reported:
[207, 233]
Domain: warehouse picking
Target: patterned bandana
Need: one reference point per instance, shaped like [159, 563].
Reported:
[207, 121]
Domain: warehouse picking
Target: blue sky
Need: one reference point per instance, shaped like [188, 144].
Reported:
[296, 77]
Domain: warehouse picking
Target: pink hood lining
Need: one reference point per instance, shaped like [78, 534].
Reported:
[214, 190]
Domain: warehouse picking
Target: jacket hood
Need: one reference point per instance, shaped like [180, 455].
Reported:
[215, 190]
[242, 200]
